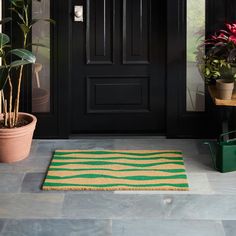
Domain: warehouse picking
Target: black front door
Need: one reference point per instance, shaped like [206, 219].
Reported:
[118, 67]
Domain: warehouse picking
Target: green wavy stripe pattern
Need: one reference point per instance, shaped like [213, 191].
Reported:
[56, 157]
[121, 170]
[103, 163]
[95, 176]
[83, 168]
[46, 184]
[115, 152]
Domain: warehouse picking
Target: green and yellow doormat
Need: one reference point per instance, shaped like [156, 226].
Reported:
[116, 170]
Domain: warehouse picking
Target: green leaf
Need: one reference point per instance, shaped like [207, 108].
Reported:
[17, 3]
[4, 39]
[18, 13]
[19, 63]
[25, 29]
[7, 46]
[24, 55]
[207, 71]
[3, 77]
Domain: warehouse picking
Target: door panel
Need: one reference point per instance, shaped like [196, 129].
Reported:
[136, 32]
[120, 94]
[118, 67]
[99, 31]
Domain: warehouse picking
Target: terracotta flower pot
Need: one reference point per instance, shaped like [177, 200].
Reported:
[224, 89]
[15, 143]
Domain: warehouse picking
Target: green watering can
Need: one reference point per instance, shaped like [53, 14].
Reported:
[223, 152]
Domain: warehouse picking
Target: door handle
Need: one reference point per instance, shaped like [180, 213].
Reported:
[78, 14]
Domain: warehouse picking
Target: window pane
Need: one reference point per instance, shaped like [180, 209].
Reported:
[41, 70]
[0, 58]
[195, 34]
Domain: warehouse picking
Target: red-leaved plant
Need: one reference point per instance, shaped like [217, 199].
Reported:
[223, 43]
[218, 54]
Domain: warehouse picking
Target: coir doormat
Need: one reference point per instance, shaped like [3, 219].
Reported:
[116, 170]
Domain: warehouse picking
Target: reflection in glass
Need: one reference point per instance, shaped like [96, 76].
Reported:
[195, 35]
[0, 58]
[41, 70]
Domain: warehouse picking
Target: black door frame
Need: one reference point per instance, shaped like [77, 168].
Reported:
[179, 122]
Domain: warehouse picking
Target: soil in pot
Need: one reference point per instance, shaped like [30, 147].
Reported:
[224, 89]
[20, 123]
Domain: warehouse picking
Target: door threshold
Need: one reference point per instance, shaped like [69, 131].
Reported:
[117, 136]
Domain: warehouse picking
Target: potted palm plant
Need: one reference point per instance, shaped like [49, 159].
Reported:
[219, 61]
[16, 128]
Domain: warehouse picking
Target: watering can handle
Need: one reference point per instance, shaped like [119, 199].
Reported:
[224, 134]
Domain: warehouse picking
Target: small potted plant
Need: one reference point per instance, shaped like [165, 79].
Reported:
[16, 128]
[218, 62]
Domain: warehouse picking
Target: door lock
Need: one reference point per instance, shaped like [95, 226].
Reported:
[78, 14]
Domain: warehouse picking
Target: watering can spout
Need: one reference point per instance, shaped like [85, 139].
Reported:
[212, 151]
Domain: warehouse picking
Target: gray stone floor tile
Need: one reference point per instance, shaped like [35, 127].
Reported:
[2, 224]
[117, 206]
[223, 183]
[114, 206]
[230, 227]
[27, 165]
[185, 145]
[46, 148]
[32, 183]
[202, 147]
[30, 205]
[57, 228]
[10, 183]
[152, 227]
[198, 184]
[201, 207]
[198, 163]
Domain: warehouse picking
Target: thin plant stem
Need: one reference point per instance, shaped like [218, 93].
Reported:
[18, 96]
[5, 113]
[10, 102]
[19, 86]
[14, 113]
[0, 101]
[3, 107]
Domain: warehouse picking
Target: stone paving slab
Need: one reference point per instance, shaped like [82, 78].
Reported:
[57, 228]
[153, 227]
[31, 206]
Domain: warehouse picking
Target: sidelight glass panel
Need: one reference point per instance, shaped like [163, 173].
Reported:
[196, 18]
[0, 58]
[41, 70]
